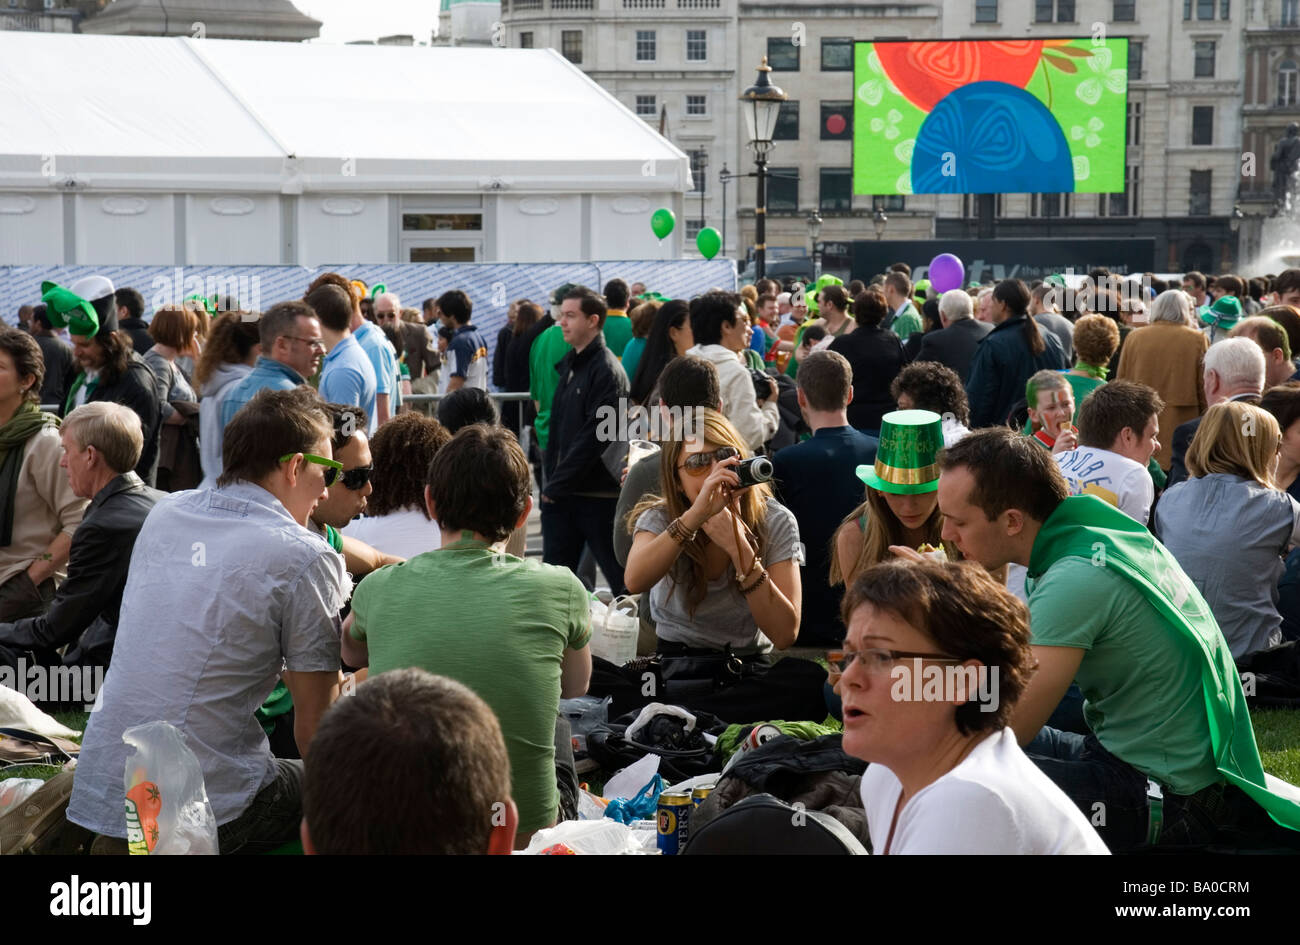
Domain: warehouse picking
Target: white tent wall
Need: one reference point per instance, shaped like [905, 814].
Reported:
[31, 227]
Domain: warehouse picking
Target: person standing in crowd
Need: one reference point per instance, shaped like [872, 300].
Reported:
[719, 329]
[1234, 370]
[817, 481]
[903, 318]
[420, 354]
[983, 304]
[383, 354]
[946, 775]
[1013, 351]
[292, 345]
[347, 374]
[108, 368]
[467, 353]
[532, 617]
[173, 330]
[1050, 401]
[280, 592]
[579, 495]
[928, 385]
[1283, 402]
[670, 337]
[447, 766]
[1168, 356]
[1045, 313]
[370, 338]
[503, 346]
[232, 349]
[1119, 426]
[25, 313]
[1194, 286]
[642, 317]
[39, 511]
[101, 445]
[519, 414]
[833, 304]
[876, 356]
[1273, 341]
[954, 345]
[930, 323]
[1144, 647]
[1231, 492]
[618, 327]
[1096, 339]
[57, 355]
[429, 381]
[130, 319]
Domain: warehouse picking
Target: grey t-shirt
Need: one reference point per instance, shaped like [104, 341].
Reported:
[723, 615]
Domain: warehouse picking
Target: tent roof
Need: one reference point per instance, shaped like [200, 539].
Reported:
[169, 113]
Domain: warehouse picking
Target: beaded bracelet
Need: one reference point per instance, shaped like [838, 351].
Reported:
[756, 566]
[679, 532]
[762, 579]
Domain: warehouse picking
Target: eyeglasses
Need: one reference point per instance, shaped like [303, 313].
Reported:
[877, 662]
[698, 464]
[315, 344]
[332, 466]
[356, 478]
[385, 315]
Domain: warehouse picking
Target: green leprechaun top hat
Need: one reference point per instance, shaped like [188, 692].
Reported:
[910, 441]
[87, 308]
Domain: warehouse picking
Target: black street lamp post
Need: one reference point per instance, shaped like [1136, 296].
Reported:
[761, 106]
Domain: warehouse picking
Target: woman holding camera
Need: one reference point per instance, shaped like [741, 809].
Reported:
[720, 560]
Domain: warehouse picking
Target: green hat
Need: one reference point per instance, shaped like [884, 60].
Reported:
[87, 308]
[1055, 280]
[905, 461]
[921, 292]
[1224, 313]
[558, 295]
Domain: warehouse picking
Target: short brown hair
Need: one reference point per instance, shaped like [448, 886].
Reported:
[480, 482]
[1266, 332]
[444, 764]
[1011, 471]
[402, 450]
[900, 281]
[331, 305]
[1096, 339]
[967, 614]
[1288, 318]
[589, 302]
[174, 326]
[281, 320]
[273, 423]
[1231, 285]
[27, 358]
[1113, 408]
[1283, 402]
[870, 307]
[826, 379]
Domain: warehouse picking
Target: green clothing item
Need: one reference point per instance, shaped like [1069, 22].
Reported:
[547, 351]
[1081, 387]
[792, 366]
[753, 360]
[618, 331]
[27, 421]
[730, 738]
[908, 321]
[1158, 477]
[498, 624]
[1154, 655]
[632, 357]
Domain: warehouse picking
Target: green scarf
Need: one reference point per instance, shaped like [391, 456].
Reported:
[1086, 527]
[27, 420]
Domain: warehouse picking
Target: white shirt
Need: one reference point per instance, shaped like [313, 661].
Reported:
[995, 802]
[1111, 477]
[755, 424]
[405, 534]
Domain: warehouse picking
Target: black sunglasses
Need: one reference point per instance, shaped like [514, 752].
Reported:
[356, 479]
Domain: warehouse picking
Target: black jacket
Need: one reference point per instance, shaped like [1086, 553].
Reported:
[589, 381]
[85, 609]
[138, 329]
[955, 345]
[1002, 365]
[59, 360]
[134, 389]
[876, 356]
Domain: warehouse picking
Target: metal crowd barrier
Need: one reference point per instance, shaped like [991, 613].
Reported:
[408, 399]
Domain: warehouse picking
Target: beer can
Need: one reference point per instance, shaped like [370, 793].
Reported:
[699, 794]
[674, 821]
[759, 735]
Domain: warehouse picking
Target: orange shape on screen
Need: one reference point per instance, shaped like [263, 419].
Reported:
[927, 71]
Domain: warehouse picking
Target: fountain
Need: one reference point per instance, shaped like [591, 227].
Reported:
[1279, 238]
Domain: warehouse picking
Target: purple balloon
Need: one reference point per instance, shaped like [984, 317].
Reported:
[946, 272]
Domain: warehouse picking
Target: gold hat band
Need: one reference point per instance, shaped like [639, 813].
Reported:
[901, 476]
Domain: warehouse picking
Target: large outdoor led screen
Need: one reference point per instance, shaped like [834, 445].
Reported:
[989, 116]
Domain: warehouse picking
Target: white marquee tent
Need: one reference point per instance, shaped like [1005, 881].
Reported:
[138, 150]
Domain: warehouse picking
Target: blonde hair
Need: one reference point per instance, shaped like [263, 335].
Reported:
[688, 569]
[1238, 439]
[882, 530]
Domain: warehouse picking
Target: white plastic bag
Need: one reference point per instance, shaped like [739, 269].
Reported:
[167, 808]
[614, 630]
[592, 837]
[16, 790]
[633, 778]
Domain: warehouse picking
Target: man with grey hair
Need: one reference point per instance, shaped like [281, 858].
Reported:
[102, 442]
[984, 305]
[1234, 370]
[954, 345]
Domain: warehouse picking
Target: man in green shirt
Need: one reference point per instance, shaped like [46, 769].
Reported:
[514, 631]
[547, 351]
[1171, 757]
[898, 293]
[617, 327]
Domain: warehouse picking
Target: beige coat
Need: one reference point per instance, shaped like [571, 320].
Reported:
[1170, 358]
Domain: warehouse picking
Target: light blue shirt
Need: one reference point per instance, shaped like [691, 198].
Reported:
[382, 357]
[212, 433]
[224, 591]
[267, 372]
[348, 377]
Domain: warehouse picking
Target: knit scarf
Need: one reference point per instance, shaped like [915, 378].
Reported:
[1086, 527]
[27, 420]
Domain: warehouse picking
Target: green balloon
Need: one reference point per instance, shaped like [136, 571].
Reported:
[708, 241]
[662, 222]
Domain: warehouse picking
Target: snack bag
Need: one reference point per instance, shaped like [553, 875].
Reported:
[167, 808]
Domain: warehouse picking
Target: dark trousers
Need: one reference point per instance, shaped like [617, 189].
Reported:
[570, 522]
[20, 598]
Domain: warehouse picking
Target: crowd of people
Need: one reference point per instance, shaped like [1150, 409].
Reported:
[1074, 509]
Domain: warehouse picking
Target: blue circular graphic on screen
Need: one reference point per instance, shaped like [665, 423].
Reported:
[991, 137]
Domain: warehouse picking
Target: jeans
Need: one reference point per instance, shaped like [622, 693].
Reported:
[1068, 715]
[569, 522]
[273, 819]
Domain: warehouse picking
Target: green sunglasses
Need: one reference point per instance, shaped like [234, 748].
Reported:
[332, 466]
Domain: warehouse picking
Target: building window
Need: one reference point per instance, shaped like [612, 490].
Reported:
[835, 194]
[787, 122]
[837, 121]
[1203, 124]
[970, 206]
[1134, 124]
[782, 54]
[1125, 204]
[1287, 77]
[571, 46]
[1199, 205]
[697, 45]
[1134, 59]
[1049, 205]
[986, 11]
[1205, 59]
[645, 45]
[1225, 8]
[1125, 11]
[697, 106]
[1290, 12]
[645, 106]
[890, 202]
[1047, 11]
[837, 54]
[693, 228]
[699, 165]
[783, 188]
[525, 40]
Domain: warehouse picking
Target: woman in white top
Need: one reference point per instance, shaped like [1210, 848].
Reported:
[936, 657]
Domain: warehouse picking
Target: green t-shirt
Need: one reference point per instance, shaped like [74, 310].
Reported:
[1144, 694]
[618, 331]
[499, 625]
[907, 322]
[548, 350]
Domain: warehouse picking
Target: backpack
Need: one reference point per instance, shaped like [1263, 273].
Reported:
[762, 824]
